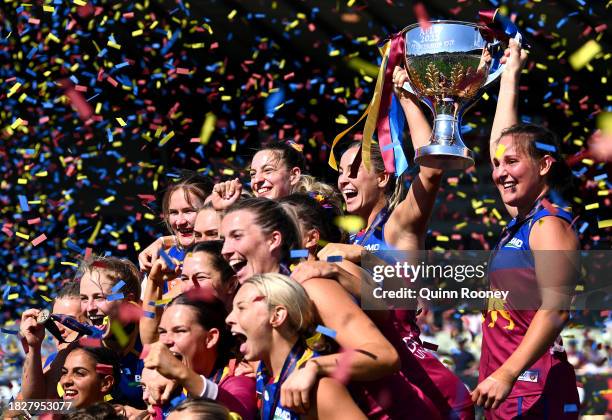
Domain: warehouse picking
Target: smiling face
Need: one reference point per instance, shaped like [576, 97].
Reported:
[199, 272]
[71, 306]
[270, 176]
[246, 248]
[360, 188]
[182, 214]
[189, 341]
[520, 179]
[206, 226]
[81, 383]
[250, 323]
[96, 285]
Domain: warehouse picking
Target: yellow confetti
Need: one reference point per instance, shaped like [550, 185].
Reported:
[584, 54]
[499, 152]
[49, 9]
[119, 333]
[137, 32]
[442, 238]
[591, 206]
[80, 2]
[121, 122]
[13, 296]
[604, 122]
[166, 138]
[95, 232]
[208, 127]
[341, 119]
[22, 235]
[232, 14]
[602, 224]
[350, 223]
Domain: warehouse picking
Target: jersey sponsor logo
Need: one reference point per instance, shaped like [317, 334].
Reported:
[514, 243]
[529, 376]
[372, 247]
[282, 414]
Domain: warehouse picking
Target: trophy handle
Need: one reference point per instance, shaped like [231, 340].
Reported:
[493, 76]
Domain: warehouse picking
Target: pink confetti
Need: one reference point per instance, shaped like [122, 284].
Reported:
[421, 13]
[39, 239]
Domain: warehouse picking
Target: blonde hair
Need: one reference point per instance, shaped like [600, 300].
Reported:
[308, 184]
[280, 290]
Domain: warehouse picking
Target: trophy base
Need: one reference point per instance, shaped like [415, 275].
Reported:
[445, 157]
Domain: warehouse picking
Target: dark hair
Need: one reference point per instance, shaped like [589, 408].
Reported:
[316, 214]
[118, 269]
[213, 249]
[288, 152]
[104, 356]
[96, 411]
[198, 185]
[270, 216]
[211, 314]
[394, 190]
[204, 408]
[559, 177]
[70, 289]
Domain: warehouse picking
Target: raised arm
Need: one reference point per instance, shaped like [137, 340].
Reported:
[506, 113]
[407, 224]
[153, 292]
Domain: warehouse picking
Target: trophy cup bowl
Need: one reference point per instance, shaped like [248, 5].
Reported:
[449, 64]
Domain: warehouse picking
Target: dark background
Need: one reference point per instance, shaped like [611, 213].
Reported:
[267, 71]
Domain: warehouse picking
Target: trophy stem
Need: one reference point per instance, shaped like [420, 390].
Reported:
[446, 149]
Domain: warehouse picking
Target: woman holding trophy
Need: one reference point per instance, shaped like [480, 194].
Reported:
[523, 369]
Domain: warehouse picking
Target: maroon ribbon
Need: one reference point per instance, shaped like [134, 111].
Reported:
[383, 127]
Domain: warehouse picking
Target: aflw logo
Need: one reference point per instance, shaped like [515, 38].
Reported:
[514, 243]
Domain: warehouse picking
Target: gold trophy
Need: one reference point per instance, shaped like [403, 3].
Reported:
[449, 64]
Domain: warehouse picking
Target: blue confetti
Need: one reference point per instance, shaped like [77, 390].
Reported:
[116, 296]
[118, 286]
[334, 258]
[299, 253]
[167, 259]
[23, 203]
[545, 147]
[326, 331]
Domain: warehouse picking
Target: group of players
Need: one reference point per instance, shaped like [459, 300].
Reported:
[226, 324]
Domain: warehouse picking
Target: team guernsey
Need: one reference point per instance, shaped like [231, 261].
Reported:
[547, 389]
[444, 390]
[268, 388]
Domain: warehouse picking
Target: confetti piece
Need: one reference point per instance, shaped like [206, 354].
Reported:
[23, 203]
[39, 239]
[602, 224]
[167, 259]
[584, 54]
[545, 147]
[118, 286]
[113, 297]
[326, 331]
[149, 314]
[350, 223]
[499, 151]
[334, 259]
[299, 253]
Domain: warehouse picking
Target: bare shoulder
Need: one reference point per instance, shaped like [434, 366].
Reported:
[552, 233]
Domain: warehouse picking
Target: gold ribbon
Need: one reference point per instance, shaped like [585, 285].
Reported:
[371, 112]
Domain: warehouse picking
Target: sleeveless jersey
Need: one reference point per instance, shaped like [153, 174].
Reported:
[512, 267]
[373, 239]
